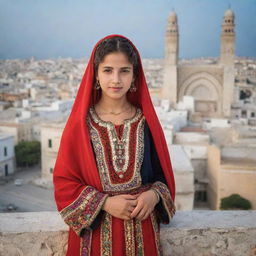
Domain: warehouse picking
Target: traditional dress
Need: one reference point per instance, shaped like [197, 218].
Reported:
[98, 159]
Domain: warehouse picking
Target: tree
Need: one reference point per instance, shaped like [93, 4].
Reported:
[28, 153]
[235, 202]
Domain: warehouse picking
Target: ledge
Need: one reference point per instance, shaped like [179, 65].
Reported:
[190, 233]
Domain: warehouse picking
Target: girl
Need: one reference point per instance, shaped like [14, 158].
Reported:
[113, 178]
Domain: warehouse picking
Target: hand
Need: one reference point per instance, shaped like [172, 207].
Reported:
[146, 203]
[120, 206]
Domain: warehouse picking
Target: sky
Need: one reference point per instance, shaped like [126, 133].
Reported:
[70, 28]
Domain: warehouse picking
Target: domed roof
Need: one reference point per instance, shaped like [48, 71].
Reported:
[229, 13]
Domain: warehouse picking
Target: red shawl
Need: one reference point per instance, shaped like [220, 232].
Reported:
[75, 166]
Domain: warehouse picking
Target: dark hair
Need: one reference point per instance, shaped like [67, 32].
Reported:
[116, 44]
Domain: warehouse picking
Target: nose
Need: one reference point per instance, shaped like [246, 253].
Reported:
[116, 78]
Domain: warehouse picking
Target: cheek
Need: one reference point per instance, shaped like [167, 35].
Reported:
[103, 78]
[128, 78]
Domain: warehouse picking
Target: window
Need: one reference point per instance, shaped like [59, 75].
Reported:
[5, 151]
[49, 143]
[201, 196]
[6, 169]
[51, 170]
[244, 113]
[252, 114]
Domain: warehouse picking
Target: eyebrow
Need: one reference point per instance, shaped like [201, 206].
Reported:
[121, 67]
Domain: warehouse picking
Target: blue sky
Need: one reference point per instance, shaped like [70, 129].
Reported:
[70, 28]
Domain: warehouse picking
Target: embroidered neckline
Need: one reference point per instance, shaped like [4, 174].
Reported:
[119, 167]
[103, 123]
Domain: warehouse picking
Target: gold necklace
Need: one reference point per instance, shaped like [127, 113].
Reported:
[116, 114]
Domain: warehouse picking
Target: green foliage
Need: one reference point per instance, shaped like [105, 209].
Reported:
[234, 202]
[28, 153]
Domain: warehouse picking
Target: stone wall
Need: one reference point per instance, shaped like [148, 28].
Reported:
[191, 233]
[210, 233]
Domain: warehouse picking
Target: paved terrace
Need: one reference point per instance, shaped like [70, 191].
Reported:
[191, 233]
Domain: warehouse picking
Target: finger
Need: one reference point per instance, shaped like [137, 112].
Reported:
[128, 215]
[125, 217]
[145, 215]
[130, 209]
[141, 214]
[129, 197]
[133, 203]
[137, 195]
[136, 210]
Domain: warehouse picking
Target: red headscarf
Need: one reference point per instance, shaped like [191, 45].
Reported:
[75, 166]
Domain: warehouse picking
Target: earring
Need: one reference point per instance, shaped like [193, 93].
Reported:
[133, 88]
[97, 85]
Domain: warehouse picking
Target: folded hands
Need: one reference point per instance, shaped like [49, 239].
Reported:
[128, 206]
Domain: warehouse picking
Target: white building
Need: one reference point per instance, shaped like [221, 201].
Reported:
[184, 178]
[171, 120]
[7, 156]
[50, 141]
[20, 131]
[195, 143]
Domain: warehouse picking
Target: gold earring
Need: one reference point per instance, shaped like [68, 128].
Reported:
[97, 85]
[133, 87]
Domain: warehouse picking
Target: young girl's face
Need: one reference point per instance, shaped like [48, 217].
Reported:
[115, 75]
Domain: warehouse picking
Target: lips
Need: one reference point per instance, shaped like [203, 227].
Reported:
[116, 88]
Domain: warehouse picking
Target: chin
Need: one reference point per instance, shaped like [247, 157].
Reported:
[115, 96]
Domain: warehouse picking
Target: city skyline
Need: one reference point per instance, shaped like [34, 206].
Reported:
[71, 29]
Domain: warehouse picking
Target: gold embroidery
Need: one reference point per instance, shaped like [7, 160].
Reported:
[157, 233]
[106, 235]
[120, 169]
[82, 212]
[139, 238]
[164, 194]
[129, 238]
[85, 243]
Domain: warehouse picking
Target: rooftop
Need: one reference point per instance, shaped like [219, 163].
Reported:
[4, 136]
[180, 160]
[192, 129]
[238, 163]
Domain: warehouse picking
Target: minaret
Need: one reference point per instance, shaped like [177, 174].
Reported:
[172, 40]
[169, 89]
[227, 50]
[227, 54]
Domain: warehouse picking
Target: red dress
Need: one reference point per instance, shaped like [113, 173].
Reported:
[119, 153]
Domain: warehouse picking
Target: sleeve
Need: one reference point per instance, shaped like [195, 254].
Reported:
[85, 211]
[79, 205]
[165, 209]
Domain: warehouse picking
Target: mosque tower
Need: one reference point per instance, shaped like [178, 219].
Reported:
[227, 50]
[227, 54]
[169, 89]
